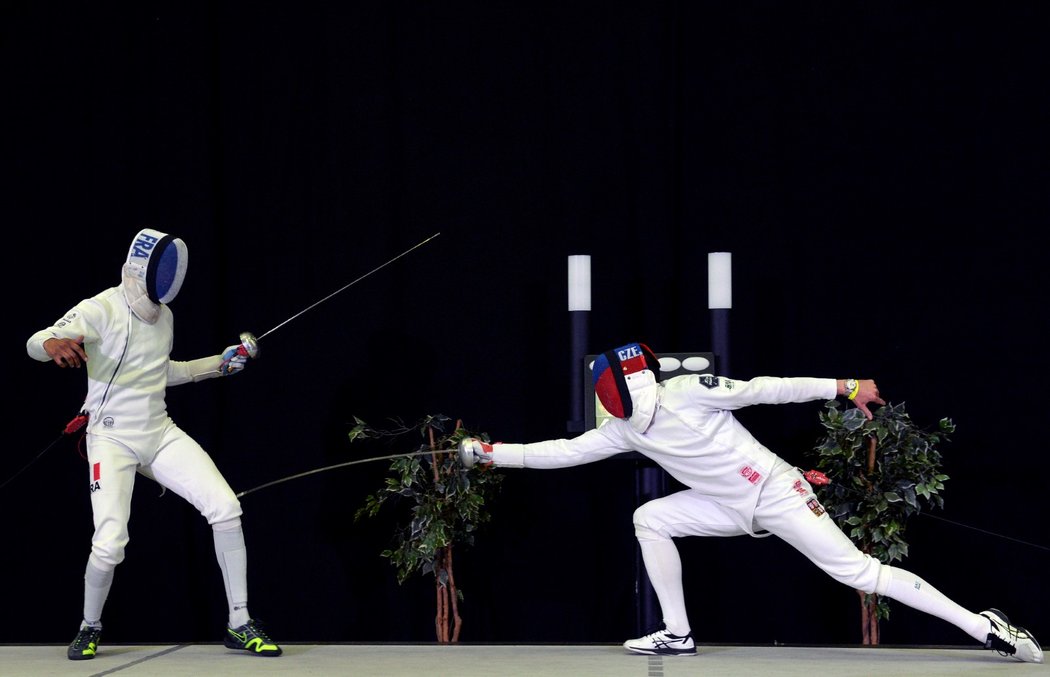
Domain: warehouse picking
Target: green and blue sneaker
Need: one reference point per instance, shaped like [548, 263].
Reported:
[85, 644]
[250, 637]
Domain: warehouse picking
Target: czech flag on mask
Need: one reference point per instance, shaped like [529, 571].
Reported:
[610, 372]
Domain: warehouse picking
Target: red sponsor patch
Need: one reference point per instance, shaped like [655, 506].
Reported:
[751, 475]
[797, 486]
[96, 472]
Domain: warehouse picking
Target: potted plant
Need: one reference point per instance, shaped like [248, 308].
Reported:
[442, 506]
[882, 472]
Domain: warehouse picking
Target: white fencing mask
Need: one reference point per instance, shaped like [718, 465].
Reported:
[625, 381]
[154, 272]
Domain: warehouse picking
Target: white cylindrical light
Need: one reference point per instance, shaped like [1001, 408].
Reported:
[719, 280]
[580, 282]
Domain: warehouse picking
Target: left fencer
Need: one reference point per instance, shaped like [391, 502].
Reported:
[124, 337]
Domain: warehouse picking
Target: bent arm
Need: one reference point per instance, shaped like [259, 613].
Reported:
[194, 370]
[78, 326]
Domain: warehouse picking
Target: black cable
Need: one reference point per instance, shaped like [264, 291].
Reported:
[35, 459]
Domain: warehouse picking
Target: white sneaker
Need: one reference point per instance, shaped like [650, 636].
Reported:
[662, 643]
[1010, 640]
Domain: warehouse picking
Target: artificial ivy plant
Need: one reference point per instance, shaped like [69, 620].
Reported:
[442, 506]
[882, 472]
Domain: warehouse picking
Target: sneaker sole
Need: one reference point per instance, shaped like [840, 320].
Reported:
[999, 615]
[643, 652]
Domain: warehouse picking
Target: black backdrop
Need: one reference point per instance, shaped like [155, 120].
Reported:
[877, 170]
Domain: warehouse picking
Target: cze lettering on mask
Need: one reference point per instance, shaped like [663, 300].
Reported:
[630, 352]
[143, 245]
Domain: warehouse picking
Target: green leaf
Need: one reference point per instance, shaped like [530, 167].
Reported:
[439, 510]
[874, 507]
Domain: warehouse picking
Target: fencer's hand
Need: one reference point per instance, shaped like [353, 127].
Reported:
[233, 360]
[472, 450]
[867, 392]
[66, 352]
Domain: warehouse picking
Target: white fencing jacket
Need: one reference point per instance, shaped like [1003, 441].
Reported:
[128, 367]
[693, 435]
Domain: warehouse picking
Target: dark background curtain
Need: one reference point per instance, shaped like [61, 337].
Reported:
[878, 171]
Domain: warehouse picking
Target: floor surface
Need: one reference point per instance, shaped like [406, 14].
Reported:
[432, 660]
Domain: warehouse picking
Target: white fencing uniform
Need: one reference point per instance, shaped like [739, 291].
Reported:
[735, 486]
[126, 335]
[129, 428]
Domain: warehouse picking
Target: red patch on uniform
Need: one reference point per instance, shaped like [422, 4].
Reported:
[752, 476]
[96, 472]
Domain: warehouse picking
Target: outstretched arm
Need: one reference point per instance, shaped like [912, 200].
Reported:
[593, 445]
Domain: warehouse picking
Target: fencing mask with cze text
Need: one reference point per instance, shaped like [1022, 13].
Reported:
[616, 369]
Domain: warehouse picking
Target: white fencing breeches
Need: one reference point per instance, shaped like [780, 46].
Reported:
[180, 465]
[787, 509]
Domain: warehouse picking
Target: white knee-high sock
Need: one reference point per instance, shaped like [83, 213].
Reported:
[907, 588]
[664, 567]
[233, 560]
[97, 582]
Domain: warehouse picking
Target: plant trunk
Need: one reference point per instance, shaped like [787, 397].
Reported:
[457, 622]
[441, 592]
[447, 600]
[447, 622]
[451, 592]
[869, 618]
[441, 619]
[869, 604]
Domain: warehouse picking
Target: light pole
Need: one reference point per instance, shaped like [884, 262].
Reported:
[579, 314]
[720, 301]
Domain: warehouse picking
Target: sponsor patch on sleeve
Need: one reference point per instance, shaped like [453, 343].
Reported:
[815, 506]
[72, 315]
[709, 381]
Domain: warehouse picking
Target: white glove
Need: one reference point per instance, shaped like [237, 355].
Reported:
[233, 360]
[472, 450]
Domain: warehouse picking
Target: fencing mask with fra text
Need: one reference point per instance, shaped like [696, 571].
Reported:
[154, 272]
